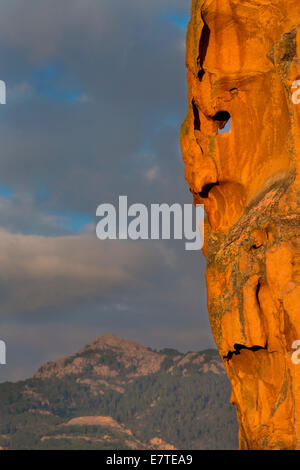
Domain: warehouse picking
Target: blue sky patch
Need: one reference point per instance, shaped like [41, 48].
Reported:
[178, 20]
[225, 129]
[6, 191]
[55, 83]
[75, 222]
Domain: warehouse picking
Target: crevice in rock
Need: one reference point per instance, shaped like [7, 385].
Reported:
[256, 247]
[221, 116]
[240, 347]
[203, 45]
[257, 293]
[196, 117]
[206, 189]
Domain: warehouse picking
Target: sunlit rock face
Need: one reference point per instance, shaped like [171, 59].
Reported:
[241, 148]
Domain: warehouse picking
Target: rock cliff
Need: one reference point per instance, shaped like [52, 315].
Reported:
[241, 147]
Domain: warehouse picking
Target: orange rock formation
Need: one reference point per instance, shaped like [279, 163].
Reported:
[243, 61]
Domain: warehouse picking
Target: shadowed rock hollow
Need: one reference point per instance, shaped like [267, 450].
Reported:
[241, 147]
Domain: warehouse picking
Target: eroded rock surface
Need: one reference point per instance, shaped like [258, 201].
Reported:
[241, 147]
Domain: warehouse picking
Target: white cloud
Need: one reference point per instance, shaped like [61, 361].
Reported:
[152, 174]
[38, 273]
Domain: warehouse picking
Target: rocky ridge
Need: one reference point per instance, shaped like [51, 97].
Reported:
[117, 394]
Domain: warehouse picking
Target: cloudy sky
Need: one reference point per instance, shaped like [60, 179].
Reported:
[96, 93]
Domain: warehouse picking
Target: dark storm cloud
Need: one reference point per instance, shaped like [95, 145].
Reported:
[126, 61]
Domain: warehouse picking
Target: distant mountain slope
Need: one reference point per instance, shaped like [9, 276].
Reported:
[117, 394]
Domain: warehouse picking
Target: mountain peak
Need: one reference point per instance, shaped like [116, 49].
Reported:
[109, 340]
[110, 357]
